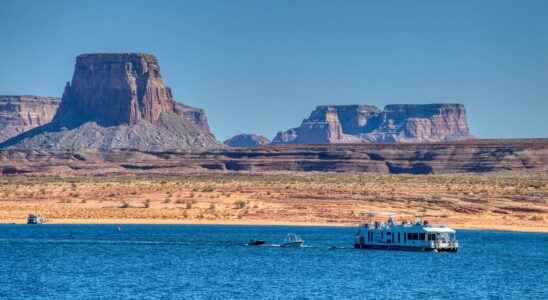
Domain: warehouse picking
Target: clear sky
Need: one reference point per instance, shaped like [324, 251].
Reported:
[262, 66]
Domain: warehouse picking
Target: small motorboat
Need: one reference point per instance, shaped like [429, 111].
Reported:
[292, 240]
[256, 242]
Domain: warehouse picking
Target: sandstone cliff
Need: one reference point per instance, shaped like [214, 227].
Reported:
[247, 140]
[22, 113]
[336, 124]
[119, 101]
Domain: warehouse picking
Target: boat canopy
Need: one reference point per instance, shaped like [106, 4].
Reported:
[439, 229]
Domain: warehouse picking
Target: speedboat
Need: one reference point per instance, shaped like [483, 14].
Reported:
[256, 242]
[292, 240]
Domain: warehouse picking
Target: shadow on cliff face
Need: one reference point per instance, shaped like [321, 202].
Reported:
[416, 168]
[52, 127]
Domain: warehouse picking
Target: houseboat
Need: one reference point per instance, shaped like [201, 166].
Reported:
[35, 219]
[411, 236]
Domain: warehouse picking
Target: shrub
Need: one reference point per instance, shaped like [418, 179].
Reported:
[208, 189]
[240, 204]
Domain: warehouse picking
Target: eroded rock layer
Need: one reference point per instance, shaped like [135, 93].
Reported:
[340, 124]
[118, 101]
[22, 113]
[457, 157]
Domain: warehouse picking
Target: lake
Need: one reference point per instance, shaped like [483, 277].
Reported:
[212, 262]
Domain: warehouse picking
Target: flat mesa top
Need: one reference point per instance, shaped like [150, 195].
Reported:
[28, 98]
[115, 56]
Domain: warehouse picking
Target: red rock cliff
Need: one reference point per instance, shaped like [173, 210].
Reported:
[115, 89]
[22, 113]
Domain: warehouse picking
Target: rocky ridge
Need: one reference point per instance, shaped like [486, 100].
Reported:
[20, 113]
[247, 140]
[342, 124]
[118, 101]
[475, 156]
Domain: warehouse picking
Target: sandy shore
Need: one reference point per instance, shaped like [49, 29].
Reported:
[509, 201]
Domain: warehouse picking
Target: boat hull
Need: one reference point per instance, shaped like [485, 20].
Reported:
[256, 243]
[402, 248]
[292, 244]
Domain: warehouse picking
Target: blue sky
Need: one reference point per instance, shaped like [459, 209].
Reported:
[262, 66]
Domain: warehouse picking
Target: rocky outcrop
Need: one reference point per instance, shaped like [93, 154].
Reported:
[119, 101]
[340, 124]
[193, 115]
[474, 156]
[22, 113]
[247, 140]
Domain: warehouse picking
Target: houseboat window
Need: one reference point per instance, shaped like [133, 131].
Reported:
[421, 236]
[405, 237]
[398, 237]
[432, 236]
[382, 235]
[413, 236]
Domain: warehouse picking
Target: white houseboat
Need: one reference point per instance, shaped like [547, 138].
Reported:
[35, 219]
[417, 236]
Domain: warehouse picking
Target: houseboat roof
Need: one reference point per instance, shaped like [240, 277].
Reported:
[438, 229]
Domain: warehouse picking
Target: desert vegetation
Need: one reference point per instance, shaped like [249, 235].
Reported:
[512, 200]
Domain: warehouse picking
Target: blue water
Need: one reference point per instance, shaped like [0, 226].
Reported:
[211, 262]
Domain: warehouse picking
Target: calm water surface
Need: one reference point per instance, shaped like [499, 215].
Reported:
[211, 262]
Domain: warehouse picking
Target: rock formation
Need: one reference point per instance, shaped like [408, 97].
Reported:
[22, 113]
[119, 101]
[339, 124]
[193, 115]
[246, 141]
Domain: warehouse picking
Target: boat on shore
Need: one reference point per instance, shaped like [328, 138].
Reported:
[408, 236]
[35, 219]
[292, 240]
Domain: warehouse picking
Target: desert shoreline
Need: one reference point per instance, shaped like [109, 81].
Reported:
[259, 223]
[509, 201]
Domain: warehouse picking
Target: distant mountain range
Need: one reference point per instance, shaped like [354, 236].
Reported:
[117, 114]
